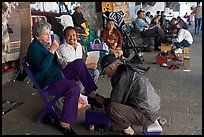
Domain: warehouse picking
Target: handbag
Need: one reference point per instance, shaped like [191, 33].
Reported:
[97, 45]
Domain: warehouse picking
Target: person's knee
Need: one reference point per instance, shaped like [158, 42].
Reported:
[74, 90]
[78, 61]
[112, 108]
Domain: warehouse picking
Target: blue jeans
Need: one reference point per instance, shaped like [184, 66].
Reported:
[183, 43]
[198, 23]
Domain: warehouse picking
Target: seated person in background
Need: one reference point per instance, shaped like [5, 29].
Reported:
[184, 37]
[147, 31]
[71, 50]
[78, 19]
[133, 100]
[48, 74]
[162, 19]
[148, 18]
[156, 21]
[113, 38]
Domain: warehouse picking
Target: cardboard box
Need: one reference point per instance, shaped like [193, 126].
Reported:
[165, 48]
[185, 50]
[161, 59]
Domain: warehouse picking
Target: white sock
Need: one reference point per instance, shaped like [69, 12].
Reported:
[129, 131]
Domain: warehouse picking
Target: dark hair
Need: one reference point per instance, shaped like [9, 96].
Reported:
[173, 19]
[148, 13]
[139, 12]
[68, 28]
[158, 12]
[173, 27]
[110, 20]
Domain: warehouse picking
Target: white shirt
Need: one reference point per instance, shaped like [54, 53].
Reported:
[68, 53]
[184, 34]
[148, 19]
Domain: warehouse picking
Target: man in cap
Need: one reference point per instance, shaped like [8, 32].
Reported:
[133, 100]
[78, 19]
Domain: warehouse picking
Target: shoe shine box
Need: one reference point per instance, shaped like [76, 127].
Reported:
[96, 117]
[161, 59]
[153, 129]
[146, 132]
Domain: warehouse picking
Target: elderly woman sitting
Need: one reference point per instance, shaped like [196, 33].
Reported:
[113, 38]
[49, 75]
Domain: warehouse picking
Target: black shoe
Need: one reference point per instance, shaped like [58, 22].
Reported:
[67, 131]
[94, 104]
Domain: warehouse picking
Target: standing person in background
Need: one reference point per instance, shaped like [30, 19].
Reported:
[190, 19]
[198, 17]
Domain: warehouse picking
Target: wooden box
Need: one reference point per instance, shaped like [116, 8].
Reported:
[161, 59]
[185, 50]
[165, 47]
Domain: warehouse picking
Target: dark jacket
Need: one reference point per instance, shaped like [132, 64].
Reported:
[131, 87]
[56, 26]
[45, 67]
[78, 19]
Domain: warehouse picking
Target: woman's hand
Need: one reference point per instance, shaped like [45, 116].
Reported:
[54, 46]
[115, 44]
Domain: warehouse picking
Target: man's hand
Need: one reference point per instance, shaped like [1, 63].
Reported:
[100, 99]
[64, 64]
[152, 27]
[92, 65]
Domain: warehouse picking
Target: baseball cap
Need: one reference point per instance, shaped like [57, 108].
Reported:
[106, 61]
[76, 5]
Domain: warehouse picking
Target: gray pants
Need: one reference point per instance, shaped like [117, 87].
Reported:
[121, 116]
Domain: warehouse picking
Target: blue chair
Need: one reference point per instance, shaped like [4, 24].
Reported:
[43, 93]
